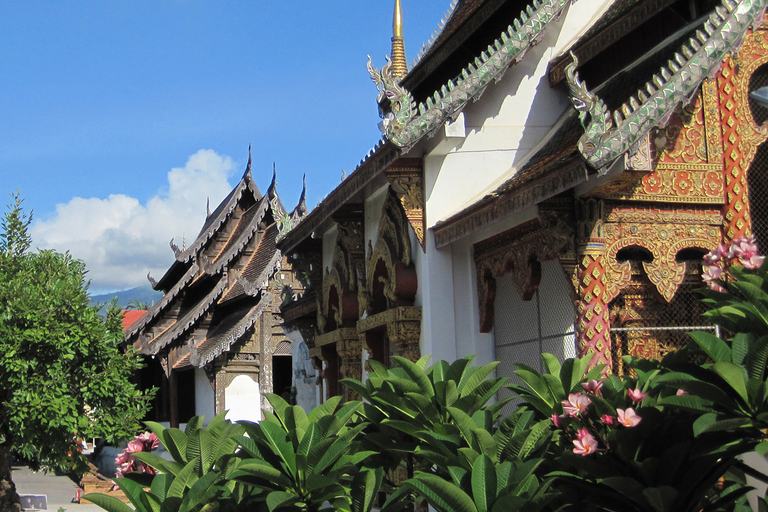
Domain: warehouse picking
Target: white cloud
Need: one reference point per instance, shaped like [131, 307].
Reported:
[121, 240]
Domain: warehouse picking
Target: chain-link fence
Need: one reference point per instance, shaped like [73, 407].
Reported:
[758, 171]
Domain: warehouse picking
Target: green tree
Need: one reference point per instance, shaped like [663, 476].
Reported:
[63, 371]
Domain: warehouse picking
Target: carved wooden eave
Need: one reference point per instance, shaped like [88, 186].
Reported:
[532, 185]
[258, 285]
[405, 123]
[337, 336]
[239, 239]
[454, 34]
[161, 305]
[406, 176]
[340, 278]
[374, 164]
[219, 342]
[402, 326]
[609, 135]
[183, 324]
[214, 222]
[520, 251]
[350, 220]
[393, 250]
[664, 234]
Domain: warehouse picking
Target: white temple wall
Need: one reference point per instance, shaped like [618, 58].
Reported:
[511, 118]
[205, 398]
[469, 339]
[465, 316]
[242, 399]
[435, 294]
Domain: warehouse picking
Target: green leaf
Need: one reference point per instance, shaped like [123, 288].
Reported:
[108, 503]
[551, 363]
[277, 499]
[184, 480]
[175, 442]
[261, 470]
[715, 348]
[473, 377]
[365, 487]
[194, 497]
[662, 499]
[277, 440]
[733, 375]
[440, 494]
[483, 483]
[159, 463]
[133, 491]
[417, 375]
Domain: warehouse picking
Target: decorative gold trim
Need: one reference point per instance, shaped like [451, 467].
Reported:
[403, 328]
[393, 249]
[408, 183]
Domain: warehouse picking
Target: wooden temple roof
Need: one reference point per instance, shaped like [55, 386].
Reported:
[223, 288]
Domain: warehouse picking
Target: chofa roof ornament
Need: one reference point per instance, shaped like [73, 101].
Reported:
[405, 123]
[608, 135]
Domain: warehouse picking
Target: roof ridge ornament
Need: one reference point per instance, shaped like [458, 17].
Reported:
[250, 160]
[608, 135]
[404, 123]
[272, 191]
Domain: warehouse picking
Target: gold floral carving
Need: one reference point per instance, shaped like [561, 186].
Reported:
[683, 139]
[642, 159]
[403, 329]
[520, 251]
[338, 301]
[704, 186]
[652, 230]
[408, 183]
[350, 350]
[393, 250]
[712, 123]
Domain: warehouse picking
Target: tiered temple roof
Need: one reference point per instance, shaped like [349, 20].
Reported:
[216, 288]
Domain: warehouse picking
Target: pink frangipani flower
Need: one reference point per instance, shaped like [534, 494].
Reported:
[636, 395]
[628, 417]
[681, 392]
[713, 257]
[555, 420]
[592, 386]
[576, 404]
[606, 419]
[585, 444]
[712, 273]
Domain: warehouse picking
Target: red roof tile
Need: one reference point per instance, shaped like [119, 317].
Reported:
[130, 316]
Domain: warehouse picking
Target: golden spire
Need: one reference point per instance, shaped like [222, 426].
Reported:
[399, 66]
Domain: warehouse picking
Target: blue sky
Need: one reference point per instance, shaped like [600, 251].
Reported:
[118, 119]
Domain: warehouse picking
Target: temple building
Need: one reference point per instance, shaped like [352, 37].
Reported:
[550, 175]
[214, 341]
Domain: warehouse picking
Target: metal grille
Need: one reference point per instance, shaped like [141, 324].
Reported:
[523, 330]
[644, 325]
[757, 176]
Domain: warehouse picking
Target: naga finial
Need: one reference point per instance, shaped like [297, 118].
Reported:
[395, 112]
[593, 113]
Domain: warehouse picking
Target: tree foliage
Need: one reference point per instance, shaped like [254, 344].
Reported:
[64, 374]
